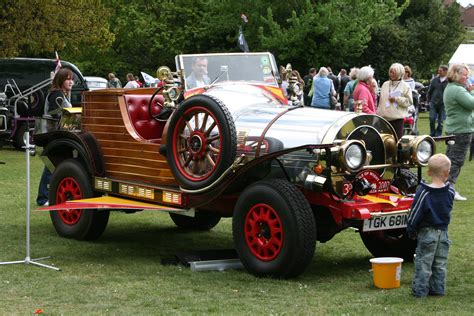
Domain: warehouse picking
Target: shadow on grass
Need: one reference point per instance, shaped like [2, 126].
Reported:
[138, 242]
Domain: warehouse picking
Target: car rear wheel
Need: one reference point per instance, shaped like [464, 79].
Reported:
[389, 243]
[202, 141]
[201, 221]
[70, 181]
[274, 229]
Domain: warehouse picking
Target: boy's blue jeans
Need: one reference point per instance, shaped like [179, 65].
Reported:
[431, 262]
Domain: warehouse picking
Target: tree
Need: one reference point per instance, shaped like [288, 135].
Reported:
[325, 32]
[37, 28]
[424, 36]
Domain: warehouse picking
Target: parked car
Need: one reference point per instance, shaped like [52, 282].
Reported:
[287, 175]
[28, 72]
[95, 83]
[24, 85]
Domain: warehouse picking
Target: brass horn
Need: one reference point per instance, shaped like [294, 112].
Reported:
[163, 73]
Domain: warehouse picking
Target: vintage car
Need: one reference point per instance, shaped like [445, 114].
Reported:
[288, 175]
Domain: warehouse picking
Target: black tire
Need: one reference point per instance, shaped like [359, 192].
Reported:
[201, 221]
[198, 154]
[70, 181]
[19, 140]
[274, 229]
[36, 103]
[389, 243]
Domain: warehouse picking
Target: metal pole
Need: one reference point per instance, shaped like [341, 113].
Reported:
[28, 260]
[28, 189]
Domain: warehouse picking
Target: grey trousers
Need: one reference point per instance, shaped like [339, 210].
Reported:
[457, 154]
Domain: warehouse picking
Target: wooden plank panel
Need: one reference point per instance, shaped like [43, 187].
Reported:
[105, 121]
[101, 106]
[161, 164]
[151, 155]
[142, 178]
[150, 169]
[109, 136]
[127, 156]
[101, 98]
[115, 113]
[116, 129]
[129, 145]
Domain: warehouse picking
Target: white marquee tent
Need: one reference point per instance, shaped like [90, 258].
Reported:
[464, 54]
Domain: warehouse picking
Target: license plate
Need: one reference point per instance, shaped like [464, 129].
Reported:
[385, 222]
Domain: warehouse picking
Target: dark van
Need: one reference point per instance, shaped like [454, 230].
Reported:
[29, 71]
[26, 73]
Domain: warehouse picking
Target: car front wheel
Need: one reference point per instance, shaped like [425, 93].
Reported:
[274, 229]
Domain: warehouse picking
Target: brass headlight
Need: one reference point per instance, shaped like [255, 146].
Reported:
[390, 147]
[416, 150]
[352, 155]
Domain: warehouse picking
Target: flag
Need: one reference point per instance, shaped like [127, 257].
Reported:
[242, 42]
[58, 62]
[148, 79]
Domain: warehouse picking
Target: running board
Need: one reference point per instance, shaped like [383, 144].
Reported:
[114, 203]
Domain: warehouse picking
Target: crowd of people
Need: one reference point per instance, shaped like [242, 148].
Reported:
[133, 82]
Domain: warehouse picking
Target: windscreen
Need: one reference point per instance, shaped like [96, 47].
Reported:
[205, 69]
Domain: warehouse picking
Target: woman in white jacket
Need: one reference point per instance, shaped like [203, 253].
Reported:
[395, 98]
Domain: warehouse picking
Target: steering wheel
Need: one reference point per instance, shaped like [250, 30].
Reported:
[164, 114]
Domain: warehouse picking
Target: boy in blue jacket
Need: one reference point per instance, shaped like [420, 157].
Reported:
[428, 222]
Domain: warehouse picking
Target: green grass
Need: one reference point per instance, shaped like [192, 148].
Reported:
[121, 272]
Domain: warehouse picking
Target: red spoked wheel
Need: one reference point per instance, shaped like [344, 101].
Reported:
[197, 141]
[69, 189]
[274, 229]
[202, 143]
[71, 181]
[264, 232]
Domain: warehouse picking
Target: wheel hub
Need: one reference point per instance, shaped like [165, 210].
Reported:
[264, 232]
[69, 189]
[195, 144]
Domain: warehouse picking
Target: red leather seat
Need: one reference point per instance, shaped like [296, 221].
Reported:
[146, 126]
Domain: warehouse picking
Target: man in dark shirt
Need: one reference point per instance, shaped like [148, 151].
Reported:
[343, 82]
[435, 100]
[334, 79]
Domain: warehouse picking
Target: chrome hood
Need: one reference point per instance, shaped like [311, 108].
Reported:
[259, 115]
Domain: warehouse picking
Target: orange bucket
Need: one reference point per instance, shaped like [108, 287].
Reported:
[387, 272]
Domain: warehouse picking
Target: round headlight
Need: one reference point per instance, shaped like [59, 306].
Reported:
[424, 151]
[173, 93]
[354, 156]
